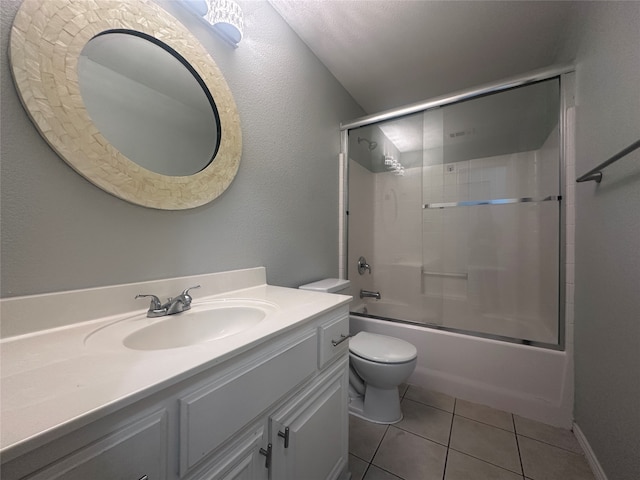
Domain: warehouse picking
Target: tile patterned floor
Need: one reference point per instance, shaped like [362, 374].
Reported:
[444, 438]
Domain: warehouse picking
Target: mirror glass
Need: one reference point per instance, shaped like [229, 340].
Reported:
[124, 93]
[149, 102]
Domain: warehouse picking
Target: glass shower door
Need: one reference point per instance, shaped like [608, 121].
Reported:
[491, 215]
[385, 209]
[457, 211]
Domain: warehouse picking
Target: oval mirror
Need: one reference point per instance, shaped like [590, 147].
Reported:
[64, 54]
[148, 102]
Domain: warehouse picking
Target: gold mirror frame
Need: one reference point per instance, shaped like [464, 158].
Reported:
[46, 40]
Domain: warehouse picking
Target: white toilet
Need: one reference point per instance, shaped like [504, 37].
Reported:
[378, 364]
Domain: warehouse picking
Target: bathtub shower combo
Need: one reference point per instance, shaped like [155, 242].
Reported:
[454, 239]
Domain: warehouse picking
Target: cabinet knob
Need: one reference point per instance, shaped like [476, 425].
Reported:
[285, 435]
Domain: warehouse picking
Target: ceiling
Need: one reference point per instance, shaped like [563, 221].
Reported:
[390, 53]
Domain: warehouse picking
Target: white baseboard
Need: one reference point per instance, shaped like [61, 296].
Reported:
[596, 468]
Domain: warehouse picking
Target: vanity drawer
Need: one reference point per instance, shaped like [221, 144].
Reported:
[333, 340]
[133, 452]
[212, 414]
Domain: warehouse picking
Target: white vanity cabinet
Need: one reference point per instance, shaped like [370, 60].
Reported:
[309, 435]
[137, 451]
[228, 422]
[240, 460]
[304, 435]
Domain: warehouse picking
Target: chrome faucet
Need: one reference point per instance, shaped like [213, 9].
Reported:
[173, 305]
[180, 303]
[367, 293]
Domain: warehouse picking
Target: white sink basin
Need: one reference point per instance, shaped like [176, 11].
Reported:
[204, 322]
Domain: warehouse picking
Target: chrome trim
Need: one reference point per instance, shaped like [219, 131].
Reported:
[445, 274]
[567, 101]
[470, 333]
[566, 75]
[363, 266]
[595, 174]
[343, 214]
[505, 84]
[370, 294]
[496, 201]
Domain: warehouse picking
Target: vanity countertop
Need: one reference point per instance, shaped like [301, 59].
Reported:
[52, 382]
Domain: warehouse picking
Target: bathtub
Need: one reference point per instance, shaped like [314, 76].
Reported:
[529, 381]
[460, 319]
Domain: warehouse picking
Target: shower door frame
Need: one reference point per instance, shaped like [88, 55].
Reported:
[565, 75]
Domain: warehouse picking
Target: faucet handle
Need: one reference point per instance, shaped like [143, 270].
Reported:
[186, 290]
[363, 265]
[155, 301]
[185, 294]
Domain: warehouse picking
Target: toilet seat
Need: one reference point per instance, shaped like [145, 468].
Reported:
[381, 348]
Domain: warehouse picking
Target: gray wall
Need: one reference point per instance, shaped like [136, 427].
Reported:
[60, 232]
[607, 297]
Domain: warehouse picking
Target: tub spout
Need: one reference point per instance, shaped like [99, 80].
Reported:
[367, 293]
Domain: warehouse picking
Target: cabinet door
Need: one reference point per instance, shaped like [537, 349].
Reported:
[310, 434]
[242, 461]
[213, 414]
[135, 452]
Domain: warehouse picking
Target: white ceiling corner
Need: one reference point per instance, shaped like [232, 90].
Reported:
[389, 53]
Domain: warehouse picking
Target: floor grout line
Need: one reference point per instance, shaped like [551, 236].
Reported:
[515, 434]
[378, 447]
[448, 447]
[568, 450]
[446, 457]
[485, 461]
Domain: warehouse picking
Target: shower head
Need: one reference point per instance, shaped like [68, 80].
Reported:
[372, 145]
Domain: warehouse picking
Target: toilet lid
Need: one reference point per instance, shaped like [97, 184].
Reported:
[381, 348]
[328, 285]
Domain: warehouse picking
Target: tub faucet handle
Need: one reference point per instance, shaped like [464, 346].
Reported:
[363, 265]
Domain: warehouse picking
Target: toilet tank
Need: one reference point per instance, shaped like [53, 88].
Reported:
[329, 285]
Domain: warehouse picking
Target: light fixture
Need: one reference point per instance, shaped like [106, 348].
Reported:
[226, 18]
[199, 7]
[393, 165]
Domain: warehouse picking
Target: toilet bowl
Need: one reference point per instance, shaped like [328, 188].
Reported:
[378, 365]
